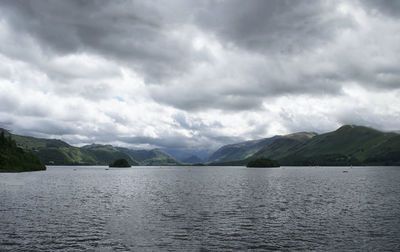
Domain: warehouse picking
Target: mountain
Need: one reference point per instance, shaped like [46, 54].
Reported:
[283, 145]
[14, 158]
[106, 154]
[57, 152]
[348, 145]
[183, 155]
[150, 157]
[54, 151]
[240, 150]
[192, 160]
[245, 150]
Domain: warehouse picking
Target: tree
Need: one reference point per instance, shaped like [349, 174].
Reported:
[2, 138]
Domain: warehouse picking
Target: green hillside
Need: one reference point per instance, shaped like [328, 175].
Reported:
[57, 152]
[151, 157]
[239, 151]
[65, 156]
[15, 159]
[107, 154]
[34, 144]
[280, 147]
[348, 145]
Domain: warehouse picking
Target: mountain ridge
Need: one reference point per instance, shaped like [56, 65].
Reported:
[246, 149]
[348, 145]
[58, 152]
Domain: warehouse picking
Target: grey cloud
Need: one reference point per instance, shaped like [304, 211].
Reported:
[257, 130]
[255, 53]
[370, 118]
[204, 138]
[250, 89]
[182, 121]
[8, 104]
[134, 32]
[170, 142]
[203, 101]
[193, 123]
[386, 7]
[278, 26]
[42, 127]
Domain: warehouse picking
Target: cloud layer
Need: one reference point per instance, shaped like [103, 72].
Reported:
[198, 74]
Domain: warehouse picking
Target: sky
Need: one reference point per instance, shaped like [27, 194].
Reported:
[196, 74]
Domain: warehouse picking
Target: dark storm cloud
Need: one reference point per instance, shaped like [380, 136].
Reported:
[140, 33]
[247, 92]
[278, 26]
[198, 102]
[135, 32]
[386, 7]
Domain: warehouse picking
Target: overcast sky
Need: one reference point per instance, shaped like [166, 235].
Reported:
[196, 74]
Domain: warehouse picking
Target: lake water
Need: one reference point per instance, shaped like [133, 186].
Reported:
[201, 209]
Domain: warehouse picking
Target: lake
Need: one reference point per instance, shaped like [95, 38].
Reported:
[201, 209]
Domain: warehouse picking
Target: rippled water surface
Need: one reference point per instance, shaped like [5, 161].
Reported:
[201, 209]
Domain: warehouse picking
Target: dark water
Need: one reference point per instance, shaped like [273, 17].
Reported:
[204, 209]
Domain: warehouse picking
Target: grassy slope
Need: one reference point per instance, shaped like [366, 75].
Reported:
[239, 151]
[33, 143]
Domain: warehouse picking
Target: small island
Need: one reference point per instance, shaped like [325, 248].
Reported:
[14, 159]
[263, 162]
[120, 163]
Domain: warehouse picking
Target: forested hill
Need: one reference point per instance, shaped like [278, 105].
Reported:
[14, 158]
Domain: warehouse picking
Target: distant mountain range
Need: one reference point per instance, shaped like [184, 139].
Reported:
[348, 145]
[57, 152]
[150, 157]
[189, 156]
